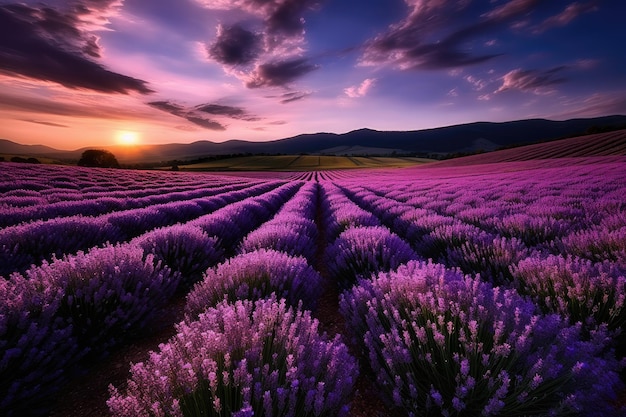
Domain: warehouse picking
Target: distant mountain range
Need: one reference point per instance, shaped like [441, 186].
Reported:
[462, 138]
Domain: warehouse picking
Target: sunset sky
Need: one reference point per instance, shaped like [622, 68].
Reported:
[97, 72]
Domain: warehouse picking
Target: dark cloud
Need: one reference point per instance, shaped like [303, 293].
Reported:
[436, 34]
[293, 96]
[169, 107]
[274, 51]
[48, 45]
[42, 122]
[235, 46]
[196, 114]
[205, 123]
[228, 111]
[281, 73]
[286, 16]
[535, 81]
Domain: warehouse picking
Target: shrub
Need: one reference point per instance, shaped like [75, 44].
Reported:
[488, 256]
[30, 243]
[289, 237]
[240, 359]
[183, 248]
[443, 343]
[363, 251]
[63, 312]
[37, 349]
[107, 294]
[256, 275]
[575, 288]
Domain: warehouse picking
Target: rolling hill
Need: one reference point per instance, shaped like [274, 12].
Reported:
[601, 144]
[439, 141]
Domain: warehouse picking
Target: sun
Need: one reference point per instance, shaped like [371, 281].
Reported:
[127, 138]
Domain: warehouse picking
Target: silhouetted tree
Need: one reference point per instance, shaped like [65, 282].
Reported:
[25, 160]
[98, 158]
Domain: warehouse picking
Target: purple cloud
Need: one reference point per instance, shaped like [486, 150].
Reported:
[571, 12]
[435, 33]
[197, 116]
[273, 55]
[52, 45]
[292, 96]
[534, 81]
[205, 123]
[235, 45]
[228, 111]
[280, 73]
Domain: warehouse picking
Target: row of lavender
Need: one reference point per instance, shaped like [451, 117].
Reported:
[31, 242]
[441, 341]
[409, 323]
[46, 192]
[248, 345]
[57, 318]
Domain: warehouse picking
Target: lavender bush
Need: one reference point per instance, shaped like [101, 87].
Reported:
[365, 250]
[37, 348]
[488, 256]
[30, 243]
[597, 244]
[578, 289]
[242, 359]
[256, 275]
[183, 248]
[107, 294]
[288, 237]
[442, 343]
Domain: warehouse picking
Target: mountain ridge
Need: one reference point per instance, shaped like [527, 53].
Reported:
[454, 139]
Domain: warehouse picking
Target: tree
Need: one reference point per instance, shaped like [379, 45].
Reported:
[98, 158]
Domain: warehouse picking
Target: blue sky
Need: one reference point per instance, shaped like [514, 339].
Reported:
[88, 72]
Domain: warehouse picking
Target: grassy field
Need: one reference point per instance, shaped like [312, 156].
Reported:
[302, 163]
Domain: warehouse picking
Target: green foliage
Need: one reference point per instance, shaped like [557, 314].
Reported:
[98, 158]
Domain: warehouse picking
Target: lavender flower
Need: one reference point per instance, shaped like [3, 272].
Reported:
[578, 289]
[440, 342]
[27, 244]
[260, 358]
[183, 248]
[107, 294]
[256, 275]
[365, 250]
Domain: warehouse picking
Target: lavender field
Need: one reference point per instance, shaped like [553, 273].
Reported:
[491, 289]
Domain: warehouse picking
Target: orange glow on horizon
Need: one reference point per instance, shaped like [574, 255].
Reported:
[127, 138]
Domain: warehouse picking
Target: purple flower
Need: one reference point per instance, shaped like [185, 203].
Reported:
[256, 275]
[496, 348]
[365, 250]
[276, 357]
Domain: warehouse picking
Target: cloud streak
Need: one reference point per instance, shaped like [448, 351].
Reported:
[196, 114]
[279, 73]
[50, 45]
[43, 122]
[571, 12]
[533, 81]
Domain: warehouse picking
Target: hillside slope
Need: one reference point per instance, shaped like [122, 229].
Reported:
[601, 144]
